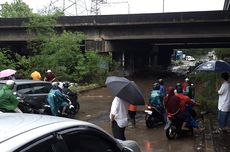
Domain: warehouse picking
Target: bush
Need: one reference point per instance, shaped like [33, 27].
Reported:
[205, 84]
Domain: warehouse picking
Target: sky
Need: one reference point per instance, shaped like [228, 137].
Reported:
[131, 6]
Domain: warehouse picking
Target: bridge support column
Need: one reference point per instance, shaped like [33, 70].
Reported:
[95, 45]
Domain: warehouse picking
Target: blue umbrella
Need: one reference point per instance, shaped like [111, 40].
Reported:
[213, 66]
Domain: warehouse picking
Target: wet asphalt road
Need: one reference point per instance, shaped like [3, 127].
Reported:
[95, 107]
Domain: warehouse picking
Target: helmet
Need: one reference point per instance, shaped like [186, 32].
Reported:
[48, 71]
[161, 81]
[178, 88]
[66, 84]
[186, 79]
[55, 84]
[10, 83]
[156, 86]
[60, 85]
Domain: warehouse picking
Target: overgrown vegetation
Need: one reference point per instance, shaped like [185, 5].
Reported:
[206, 84]
[60, 52]
[205, 92]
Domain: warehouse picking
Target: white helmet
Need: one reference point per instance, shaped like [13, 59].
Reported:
[60, 85]
[10, 83]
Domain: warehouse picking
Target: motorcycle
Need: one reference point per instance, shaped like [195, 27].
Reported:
[71, 110]
[75, 104]
[173, 127]
[72, 97]
[154, 116]
[30, 107]
[19, 109]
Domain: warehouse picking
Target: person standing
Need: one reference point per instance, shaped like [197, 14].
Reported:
[49, 76]
[35, 75]
[185, 84]
[118, 117]
[132, 110]
[223, 103]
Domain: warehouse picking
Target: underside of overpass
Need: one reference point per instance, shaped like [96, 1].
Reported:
[137, 56]
[142, 55]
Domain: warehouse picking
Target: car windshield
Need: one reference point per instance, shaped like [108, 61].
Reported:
[37, 88]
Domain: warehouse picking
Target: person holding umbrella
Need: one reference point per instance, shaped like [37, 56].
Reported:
[118, 117]
[223, 103]
[8, 74]
[126, 92]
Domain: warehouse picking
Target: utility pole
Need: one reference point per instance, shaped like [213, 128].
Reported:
[71, 7]
[96, 6]
[163, 6]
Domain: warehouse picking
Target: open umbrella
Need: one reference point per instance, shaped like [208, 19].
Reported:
[7, 73]
[213, 66]
[125, 89]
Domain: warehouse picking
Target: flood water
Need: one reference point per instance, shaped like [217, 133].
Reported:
[95, 107]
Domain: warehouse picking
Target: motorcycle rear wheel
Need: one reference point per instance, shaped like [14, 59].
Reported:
[171, 132]
[77, 107]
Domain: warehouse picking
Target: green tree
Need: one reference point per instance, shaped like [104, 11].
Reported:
[60, 52]
[93, 67]
[15, 9]
[6, 60]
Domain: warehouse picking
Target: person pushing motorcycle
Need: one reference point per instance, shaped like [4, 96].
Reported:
[187, 112]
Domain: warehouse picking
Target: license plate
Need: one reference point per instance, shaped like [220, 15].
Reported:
[148, 112]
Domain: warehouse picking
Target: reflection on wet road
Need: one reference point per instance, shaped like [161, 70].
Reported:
[95, 107]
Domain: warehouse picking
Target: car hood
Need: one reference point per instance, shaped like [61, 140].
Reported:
[13, 124]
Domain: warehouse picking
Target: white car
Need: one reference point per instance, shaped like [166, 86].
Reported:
[42, 133]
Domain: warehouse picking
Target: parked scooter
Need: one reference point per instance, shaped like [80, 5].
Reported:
[27, 107]
[154, 116]
[173, 127]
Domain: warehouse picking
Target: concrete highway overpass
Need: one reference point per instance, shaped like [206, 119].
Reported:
[138, 41]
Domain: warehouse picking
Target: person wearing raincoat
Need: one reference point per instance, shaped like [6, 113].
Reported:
[8, 100]
[56, 100]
